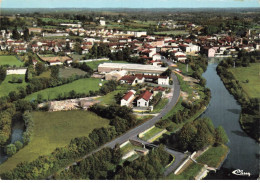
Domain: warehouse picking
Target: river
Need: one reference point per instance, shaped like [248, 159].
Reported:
[17, 132]
[224, 110]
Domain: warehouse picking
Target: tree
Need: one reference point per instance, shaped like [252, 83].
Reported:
[10, 149]
[39, 98]
[18, 145]
[2, 74]
[168, 72]
[221, 136]
[13, 95]
[40, 68]
[77, 48]
[55, 72]
[16, 34]
[26, 35]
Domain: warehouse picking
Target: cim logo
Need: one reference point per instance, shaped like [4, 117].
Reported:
[241, 173]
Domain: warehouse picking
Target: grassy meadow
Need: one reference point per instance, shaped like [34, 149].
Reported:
[252, 88]
[10, 60]
[80, 86]
[6, 87]
[52, 130]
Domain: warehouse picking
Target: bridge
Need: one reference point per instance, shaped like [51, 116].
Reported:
[179, 156]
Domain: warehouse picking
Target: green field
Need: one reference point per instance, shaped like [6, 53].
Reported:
[70, 71]
[173, 32]
[6, 87]
[58, 20]
[52, 130]
[45, 74]
[80, 86]
[160, 105]
[10, 60]
[252, 88]
[109, 98]
[151, 133]
[214, 156]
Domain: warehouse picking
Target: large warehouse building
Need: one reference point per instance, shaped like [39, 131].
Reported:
[131, 68]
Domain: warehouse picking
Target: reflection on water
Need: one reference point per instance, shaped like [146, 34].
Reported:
[17, 132]
[224, 110]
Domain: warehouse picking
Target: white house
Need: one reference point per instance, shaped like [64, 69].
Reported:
[140, 34]
[157, 56]
[158, 89]
[128, 98]
[180, 56]
[144, 99]
[163, 80]
[191, 48]
[102, 22]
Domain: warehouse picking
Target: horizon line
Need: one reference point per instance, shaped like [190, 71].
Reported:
[131, 8]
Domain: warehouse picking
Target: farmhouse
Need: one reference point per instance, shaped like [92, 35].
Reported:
[144, 99]
[132, 68]
[158, 90]
[132, 79]
[163, 80]
[57, 60]
[128, 98]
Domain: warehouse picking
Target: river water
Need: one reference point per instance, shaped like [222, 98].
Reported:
[224, 110]
[17, 132]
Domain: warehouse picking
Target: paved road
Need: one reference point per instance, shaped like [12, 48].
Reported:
[179, 156]
[148, 124]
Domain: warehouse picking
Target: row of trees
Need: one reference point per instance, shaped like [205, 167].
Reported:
[2, 74]
[198, 135]
[99, 166]
[249, 118]
[104, 165]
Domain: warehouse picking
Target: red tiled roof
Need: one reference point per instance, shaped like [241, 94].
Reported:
[165, 77]
[146, 95]
[128, 79]
[159, 88]
[128, 95]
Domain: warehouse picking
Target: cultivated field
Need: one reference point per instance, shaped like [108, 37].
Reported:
[70, 71]
[52, 130]
[6, 87]
[252, 88]
[173, 32]
[10, 60]
[80, 86]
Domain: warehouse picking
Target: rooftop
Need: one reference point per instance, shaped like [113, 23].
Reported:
[133, 66]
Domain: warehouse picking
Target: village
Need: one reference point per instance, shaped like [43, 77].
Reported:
[118, 83]
[150, 49]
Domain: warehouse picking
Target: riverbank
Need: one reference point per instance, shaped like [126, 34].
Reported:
[224, 111]
[243, 84]
[210, 159]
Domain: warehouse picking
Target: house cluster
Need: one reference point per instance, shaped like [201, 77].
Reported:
[142, 100]
[142, 45]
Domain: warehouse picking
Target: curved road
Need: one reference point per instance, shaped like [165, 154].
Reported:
[148, 124]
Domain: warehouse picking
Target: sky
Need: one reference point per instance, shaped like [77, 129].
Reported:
[129, 3]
